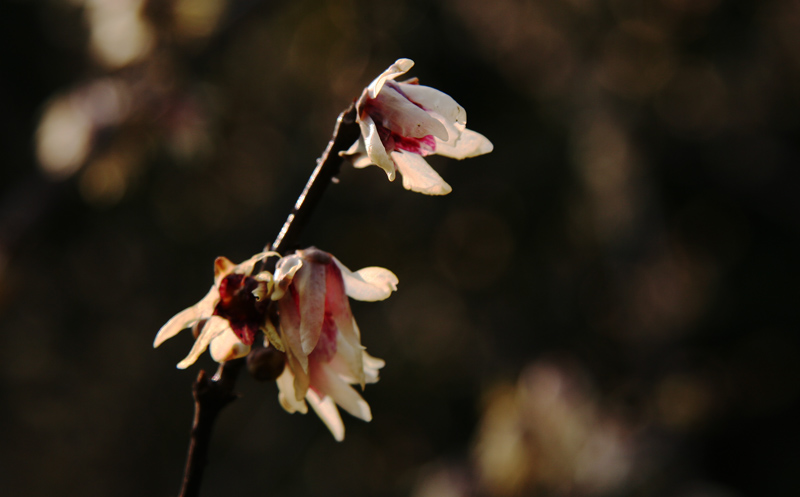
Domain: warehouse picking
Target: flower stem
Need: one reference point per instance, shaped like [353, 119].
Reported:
[211, 395]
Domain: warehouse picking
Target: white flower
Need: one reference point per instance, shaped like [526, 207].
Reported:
[401, 123]
[320, 337]
[229, 316]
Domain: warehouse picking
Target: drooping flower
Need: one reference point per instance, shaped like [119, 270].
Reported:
[320, 337]
[229, 316]
[401, 123]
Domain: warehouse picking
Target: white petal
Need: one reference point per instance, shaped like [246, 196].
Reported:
[222, 268]
[271, 336]
[347, 362]
[286, 393]
[213, 328]
[371, 367]
[285, 270]
[418, 176]
[434, 100]
[328, 382]
[396, 112]
[369, 284]
[247, 266]
[356, 148]
[357, 154]
[265, 285]
[400, 67]
[188, 317]
[362, 161]
[227, 347]
[463, 142]
[327, 412]
[373, 362]
[375, 149]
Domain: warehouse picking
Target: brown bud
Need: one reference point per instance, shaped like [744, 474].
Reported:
[266, 363]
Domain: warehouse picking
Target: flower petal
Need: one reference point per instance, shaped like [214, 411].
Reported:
[375, 149]
[396, 112]
[310, 284]
[347, 363]
[263, 289]
[222, 268]
[288, 307]
[247, 266]
[214, 327]
[437, 101]
[227, 347]
[369, 284]
[418, 176]
[285, 270]
[347, 360]
[271, 336]
[354, 365]
[302, 380]
[463, 143]
[357, 154]
[400, 67]
[187, 317]
[348, 338]
[328, 382]
[286, 393]
[371, 367]
[327, 412]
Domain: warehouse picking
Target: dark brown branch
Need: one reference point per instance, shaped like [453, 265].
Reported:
[211, 395]
[345, 134]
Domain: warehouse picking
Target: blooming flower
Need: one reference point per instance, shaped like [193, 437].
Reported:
[229, 316]
[320, 337]
[401, 123]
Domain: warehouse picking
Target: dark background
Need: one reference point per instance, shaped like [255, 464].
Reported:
[605, 305]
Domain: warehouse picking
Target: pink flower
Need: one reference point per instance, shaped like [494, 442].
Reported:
[229, 316]
[320, 337]
[401, 123]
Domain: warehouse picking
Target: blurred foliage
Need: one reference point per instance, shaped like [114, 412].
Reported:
[605, 305]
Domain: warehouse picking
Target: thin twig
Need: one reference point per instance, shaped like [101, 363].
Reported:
[345, 133]
[211, 395]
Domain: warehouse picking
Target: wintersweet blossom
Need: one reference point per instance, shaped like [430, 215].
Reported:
[320, 337]
[401, 123]
[229, 316]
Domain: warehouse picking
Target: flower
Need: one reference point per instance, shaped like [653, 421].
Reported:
[401, 123]
[229, 316]
[320, 337]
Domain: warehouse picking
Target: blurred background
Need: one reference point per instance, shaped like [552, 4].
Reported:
[606, 305]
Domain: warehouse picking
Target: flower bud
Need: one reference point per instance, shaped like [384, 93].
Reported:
[266, 363]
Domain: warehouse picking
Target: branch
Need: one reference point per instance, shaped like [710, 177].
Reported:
[345, 133]
[212, 395]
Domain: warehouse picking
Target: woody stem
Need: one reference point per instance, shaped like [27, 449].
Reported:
[211, 395]
[345, 133]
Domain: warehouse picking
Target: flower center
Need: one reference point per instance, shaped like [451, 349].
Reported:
[240, 307]
[394, 141]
